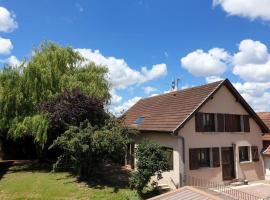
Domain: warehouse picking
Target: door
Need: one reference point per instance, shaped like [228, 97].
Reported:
[227, 163]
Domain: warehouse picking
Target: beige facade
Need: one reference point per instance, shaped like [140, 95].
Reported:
[223, 101]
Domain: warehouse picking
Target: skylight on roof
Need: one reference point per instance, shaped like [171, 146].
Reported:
[139, 120]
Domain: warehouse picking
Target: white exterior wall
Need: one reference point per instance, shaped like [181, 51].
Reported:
[267, 167]
[223, 102]
[172, 177]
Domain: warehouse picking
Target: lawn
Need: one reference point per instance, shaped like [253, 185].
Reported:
[25, 182]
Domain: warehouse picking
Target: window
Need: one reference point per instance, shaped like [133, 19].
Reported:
[209, 122]
[139, 120]
[204, 157]
[169, 154]
[244, 154]
[236, 123]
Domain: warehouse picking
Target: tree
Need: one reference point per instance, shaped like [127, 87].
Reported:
[70, 108]
[86, 147]
[49, 71]
[151, 160]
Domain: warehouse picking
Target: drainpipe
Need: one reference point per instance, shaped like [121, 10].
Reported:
[181, 176]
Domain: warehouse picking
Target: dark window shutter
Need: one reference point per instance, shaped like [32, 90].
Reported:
[220, 122]
[228, 123]
[246, 123]
[193, 159]
[255, 153]
[215, 157]
[199, 122]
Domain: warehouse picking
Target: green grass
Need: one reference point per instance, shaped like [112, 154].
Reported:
[20, 183]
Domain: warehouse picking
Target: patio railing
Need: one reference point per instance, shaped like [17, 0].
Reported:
[219, 189]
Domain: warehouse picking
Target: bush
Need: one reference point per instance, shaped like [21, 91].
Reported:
[151, 160]
[86, 147]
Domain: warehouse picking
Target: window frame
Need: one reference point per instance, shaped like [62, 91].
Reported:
[209, 122]
[248, 149]
[208, 162]
[170, 157]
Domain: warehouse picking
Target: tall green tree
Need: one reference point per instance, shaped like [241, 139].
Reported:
[49, 71]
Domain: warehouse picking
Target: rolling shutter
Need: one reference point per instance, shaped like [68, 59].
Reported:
[199, 122]
[246, 123]
[215, 157]
[255, 153]
[220, 122]
[193, 159]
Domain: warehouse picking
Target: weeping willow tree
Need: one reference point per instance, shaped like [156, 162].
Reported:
[49, 71]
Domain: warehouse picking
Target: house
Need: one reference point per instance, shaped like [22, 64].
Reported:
[265, 116]
[210, 132]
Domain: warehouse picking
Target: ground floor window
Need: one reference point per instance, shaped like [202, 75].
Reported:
[169, 154]
[204, 157]
[244, 154]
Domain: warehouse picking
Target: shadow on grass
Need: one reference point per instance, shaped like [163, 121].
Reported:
[111, 175]
[29, 166]
[4, 167]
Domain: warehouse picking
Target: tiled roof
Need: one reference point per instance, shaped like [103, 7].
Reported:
[267, 151]
[265, 116]
[165, 112]
[169, 112]
[187, 193]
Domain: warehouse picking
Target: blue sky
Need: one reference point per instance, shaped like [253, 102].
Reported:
[200, 41]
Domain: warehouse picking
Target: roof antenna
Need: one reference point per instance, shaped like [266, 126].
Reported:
[178, 79]
[173, 85]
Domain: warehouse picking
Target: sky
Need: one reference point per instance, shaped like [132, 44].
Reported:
[147, 43]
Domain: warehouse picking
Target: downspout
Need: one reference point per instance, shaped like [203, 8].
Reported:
[181, 176]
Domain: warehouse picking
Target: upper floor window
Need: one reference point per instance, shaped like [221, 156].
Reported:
[218, 122]
[209, 122]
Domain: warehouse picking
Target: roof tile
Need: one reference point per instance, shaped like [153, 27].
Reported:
[165, 112]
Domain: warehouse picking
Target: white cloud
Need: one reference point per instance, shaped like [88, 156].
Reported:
[205, 64]
[13, 61]
[252, 88]
[256, 94]
[149, 89]
[5, 46]
[120, 74]
[251, 51]
[251, 9]
[212, 79]
[115, 99]
[118, 110]
[7, 20]
[252, 62]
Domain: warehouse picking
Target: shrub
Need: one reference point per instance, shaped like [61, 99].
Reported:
[151, 160]
[86, 147]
